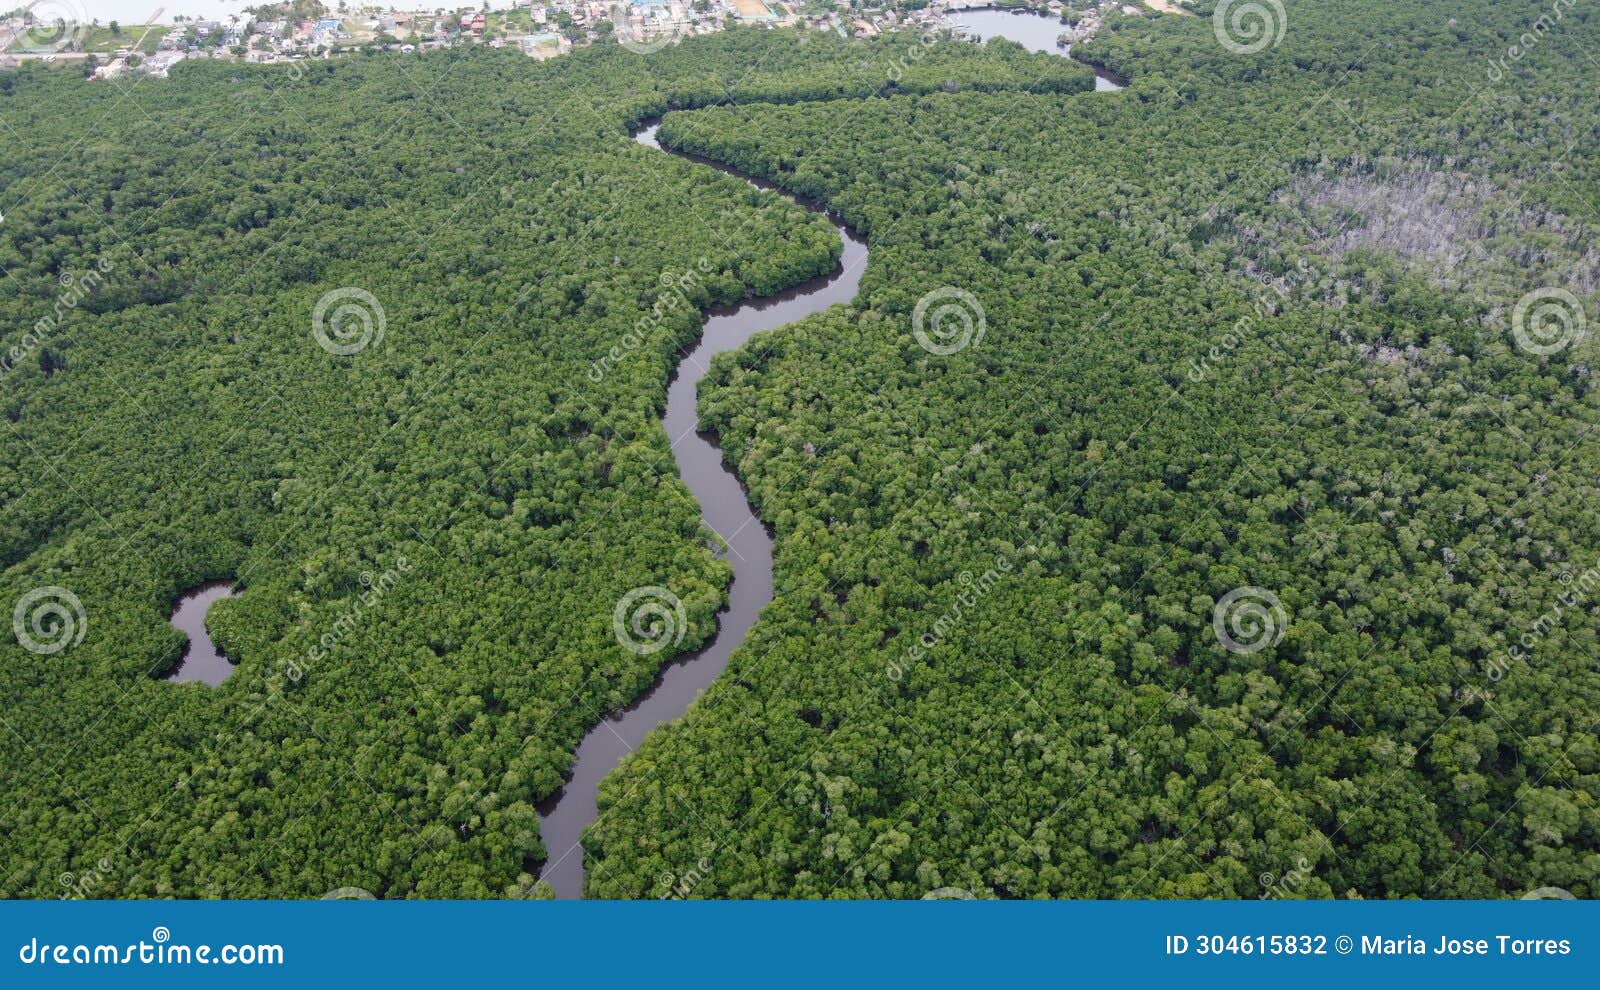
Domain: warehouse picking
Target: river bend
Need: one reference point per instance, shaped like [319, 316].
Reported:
[725, 510]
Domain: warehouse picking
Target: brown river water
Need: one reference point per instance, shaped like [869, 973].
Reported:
[201, 660]
[726, 511]
[724, 506]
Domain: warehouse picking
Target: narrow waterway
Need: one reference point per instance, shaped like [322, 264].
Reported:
[726, 511]
[723, 504]
[201, 660]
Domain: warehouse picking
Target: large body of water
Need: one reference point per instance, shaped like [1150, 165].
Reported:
[726, 511]
[1036, 32]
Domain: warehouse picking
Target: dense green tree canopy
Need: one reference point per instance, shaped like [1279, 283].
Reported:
[1245, 324]
[429, 532]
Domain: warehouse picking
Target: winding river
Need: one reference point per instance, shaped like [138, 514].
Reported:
[201, 661]
[726, 511]
[723, 505]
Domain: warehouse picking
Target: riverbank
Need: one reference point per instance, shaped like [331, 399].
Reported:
[725, 510]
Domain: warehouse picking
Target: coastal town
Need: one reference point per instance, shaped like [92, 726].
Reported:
[302, 30]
